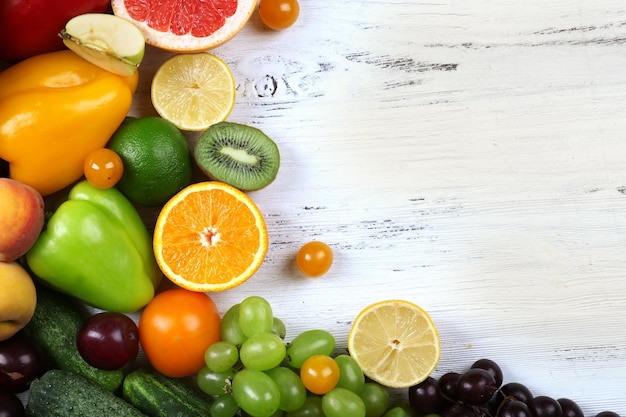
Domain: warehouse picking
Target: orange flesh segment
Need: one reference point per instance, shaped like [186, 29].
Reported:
[217, 235]
[210, 237]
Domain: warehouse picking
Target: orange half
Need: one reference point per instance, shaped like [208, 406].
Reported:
[210, 237]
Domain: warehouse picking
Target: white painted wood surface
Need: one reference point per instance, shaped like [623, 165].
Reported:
[467, 155]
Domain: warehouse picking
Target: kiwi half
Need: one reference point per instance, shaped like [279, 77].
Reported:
[237, 154]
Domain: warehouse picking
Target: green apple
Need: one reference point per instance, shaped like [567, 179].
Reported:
[106, 40]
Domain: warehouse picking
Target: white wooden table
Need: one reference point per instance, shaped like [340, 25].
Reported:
[467, 155]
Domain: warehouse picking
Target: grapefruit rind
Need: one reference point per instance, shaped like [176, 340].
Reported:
[187, 42]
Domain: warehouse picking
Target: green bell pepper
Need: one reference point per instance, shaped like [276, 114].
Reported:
[96, 248]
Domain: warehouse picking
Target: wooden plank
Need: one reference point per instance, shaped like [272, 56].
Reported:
[465, 155]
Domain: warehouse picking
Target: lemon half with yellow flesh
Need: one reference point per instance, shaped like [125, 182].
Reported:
[395, 342]
[193, 91]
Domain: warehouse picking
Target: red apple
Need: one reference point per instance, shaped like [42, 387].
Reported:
[21, 218]
[31, 27]
[18, 299]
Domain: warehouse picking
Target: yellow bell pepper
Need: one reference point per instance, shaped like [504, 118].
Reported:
[55, 108]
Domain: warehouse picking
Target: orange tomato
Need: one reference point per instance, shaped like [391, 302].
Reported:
[279, 14]
[103, 168]
[319, 374]
[314, 258]
[175, 330]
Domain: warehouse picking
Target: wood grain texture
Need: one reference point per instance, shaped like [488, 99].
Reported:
[465, 155]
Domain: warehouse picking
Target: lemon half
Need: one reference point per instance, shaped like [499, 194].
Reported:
[395, 342]
[193, 91]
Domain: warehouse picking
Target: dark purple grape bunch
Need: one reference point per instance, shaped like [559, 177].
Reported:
[478, 392]
[459, 394]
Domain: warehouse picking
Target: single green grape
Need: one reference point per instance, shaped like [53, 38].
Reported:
[341, 402]
[292, 391]
[396, 412]
[221, 356]
[279, 328]
[255, 316]
[404, 410]
[214, 383]
[262, 351]
[256, 393]
[231, 330]
[376, 399]
[312, 407]
[307, 344]
[350, 373]
[278, 413]
[224, 406]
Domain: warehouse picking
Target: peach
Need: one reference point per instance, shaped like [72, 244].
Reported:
[18, 298]
[21, 218]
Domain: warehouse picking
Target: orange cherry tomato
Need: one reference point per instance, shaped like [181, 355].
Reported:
[175, 330]
[279, 14]
[319, 374]
[314, 258]
[103, 168]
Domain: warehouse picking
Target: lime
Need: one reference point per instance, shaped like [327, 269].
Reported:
[157, 159]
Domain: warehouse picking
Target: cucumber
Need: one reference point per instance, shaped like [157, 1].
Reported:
[54, 327]
[61, 393]
[157, 395]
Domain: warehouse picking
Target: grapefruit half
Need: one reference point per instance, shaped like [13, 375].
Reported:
[186, 25]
